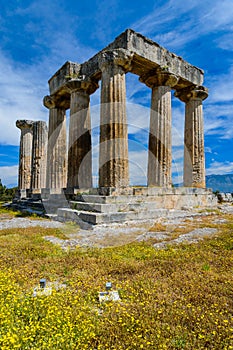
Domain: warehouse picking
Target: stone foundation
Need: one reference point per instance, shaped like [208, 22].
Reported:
[137, 203]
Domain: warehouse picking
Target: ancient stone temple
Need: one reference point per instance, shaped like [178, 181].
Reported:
[69, 164]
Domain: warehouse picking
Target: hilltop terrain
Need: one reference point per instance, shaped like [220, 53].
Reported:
[222, 183]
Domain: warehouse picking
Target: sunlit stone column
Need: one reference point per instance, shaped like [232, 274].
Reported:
[56, 151]
[113, 157]
[79, 152]
[160, 133]
[25, 153]
[194, 156]
[39, 156]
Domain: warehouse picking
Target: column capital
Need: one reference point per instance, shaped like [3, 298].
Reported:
[49, 102]
[117, 57]
[85, 84]
[56, 101]
[160, 77]
[192, 93]
[24, 124]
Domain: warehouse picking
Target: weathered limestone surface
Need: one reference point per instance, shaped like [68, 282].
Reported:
[57, 150]
[79, 152]
[159, 156]
[194, 156]
[145, 57]
[68, 189]
[162, 71]
[148, 55]
[25, 153]
[144, 203]
[113, 158]
[160, 136]
[39, 155]
[68, 71]
[159, 69]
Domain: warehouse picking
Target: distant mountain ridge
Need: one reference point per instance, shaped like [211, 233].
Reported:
[222, 183]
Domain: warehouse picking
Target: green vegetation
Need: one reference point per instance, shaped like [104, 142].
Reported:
[176, 298]
[8, 213]
[6, 194]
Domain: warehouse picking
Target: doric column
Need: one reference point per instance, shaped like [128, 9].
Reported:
[194, 156]
[113, 157]
[57, 150]
[39, 155]
[160, 145]
[25, 154]
[79, 152]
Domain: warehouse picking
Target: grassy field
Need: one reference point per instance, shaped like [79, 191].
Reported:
[180, 297]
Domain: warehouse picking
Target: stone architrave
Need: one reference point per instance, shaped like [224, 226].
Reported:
[39, 156]
[25, 153]
[113, 156]
[194, 156]
[80, 152]
[56, 151]
[160, 144]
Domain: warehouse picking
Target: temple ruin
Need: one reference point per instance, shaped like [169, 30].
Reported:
[52, 167]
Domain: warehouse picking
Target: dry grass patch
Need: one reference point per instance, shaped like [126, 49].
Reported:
[158, 227]
[69, 227]
[6, 213]
[174, 298]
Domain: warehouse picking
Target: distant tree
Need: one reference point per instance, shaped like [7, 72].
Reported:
[2, 188]
[6, 194]
[216, 193]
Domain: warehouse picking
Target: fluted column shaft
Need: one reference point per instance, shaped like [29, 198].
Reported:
[159, 157]
[79, 153]
[113, 158]
[194, 155]
[160, 135]
[56, 154]
[25, 154]
[39, 155]
[56, 176]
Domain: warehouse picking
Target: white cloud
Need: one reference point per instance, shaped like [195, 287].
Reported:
[178, 114]
[138, 167]
[136, 91]
[162, 15]
[221, 87]
[9, 175]
[23, 86]
[179, 23]
[218, 112]
[106, 14]
[20, 99]
[218, 119]
[208, 150]
[220, 168]
[225, 42]
[57, 35]
[219, 15]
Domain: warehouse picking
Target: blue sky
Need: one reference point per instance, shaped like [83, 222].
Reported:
[37, 37]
